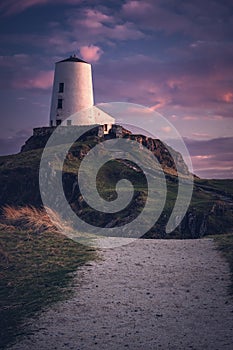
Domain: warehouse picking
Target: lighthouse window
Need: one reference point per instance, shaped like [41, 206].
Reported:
[61, 87]
[69, 122]
[59, 103]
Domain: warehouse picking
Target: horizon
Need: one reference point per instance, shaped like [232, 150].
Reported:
[175, 59]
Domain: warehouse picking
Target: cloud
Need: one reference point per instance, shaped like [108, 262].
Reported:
[154, 15]
[11, 7]
[190, 117]
[197, 19]
[42, 80]
[213, 147]
[201, 135]
[95, 26]
[167, 129]
[188, 88]
[30, 75]
[212, 158]
[228, 97]
[99, 26]
[186, 77]
[184, 82]
[16, 59]
[13, 144]
[91, 53]
[94, 19]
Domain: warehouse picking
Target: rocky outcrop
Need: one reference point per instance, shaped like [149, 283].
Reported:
[170, 160]
[194, 225]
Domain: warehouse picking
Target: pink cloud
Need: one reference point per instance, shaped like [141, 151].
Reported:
[161, 101]
[203, 157]
[98, 26]
[95, 18]
[192, 19]
[134, 109]
[213, 117]
[175, 83]
[10, 7]
[190, 117]
[190, 87]
[201, 135]
[91, 53]
[126, 31]
[228, 97]
[42, 80]
[136, 7]
[212, 158]
[167, 129]
[209, 167]
[153, 15]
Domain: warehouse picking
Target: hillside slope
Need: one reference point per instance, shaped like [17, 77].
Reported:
[210, 211]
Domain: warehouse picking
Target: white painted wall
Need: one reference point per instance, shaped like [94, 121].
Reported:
[103, 118]
[92, 116]
[78, 90]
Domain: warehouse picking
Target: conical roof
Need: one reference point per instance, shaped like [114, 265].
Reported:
[73, 58]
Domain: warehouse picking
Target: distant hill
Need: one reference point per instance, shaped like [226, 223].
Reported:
[210, 211]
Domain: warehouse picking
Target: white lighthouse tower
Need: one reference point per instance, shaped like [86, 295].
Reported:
[73, 93]
[72, 89]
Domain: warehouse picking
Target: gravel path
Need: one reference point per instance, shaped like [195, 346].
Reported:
[150, 294]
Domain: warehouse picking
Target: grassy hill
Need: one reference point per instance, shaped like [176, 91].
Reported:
[210, 211]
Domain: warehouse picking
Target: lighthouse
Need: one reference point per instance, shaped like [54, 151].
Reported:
[72, 90]
[73, 96]
[72, 103]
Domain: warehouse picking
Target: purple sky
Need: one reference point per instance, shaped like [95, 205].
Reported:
[175, 56]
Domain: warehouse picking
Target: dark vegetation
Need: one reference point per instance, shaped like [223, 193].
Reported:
[36, 269]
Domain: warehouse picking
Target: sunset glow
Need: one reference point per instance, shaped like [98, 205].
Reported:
[175, 59]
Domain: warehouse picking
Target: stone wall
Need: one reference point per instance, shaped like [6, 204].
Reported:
[41, 135]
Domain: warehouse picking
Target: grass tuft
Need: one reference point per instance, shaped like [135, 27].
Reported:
[31, 218]
[36, 270]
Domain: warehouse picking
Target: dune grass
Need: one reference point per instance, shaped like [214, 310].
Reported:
[37, 266]
[34, 219]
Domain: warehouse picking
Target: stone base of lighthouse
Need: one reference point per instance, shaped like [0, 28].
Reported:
[41, 135]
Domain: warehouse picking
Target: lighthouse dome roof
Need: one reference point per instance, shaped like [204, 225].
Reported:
[73, 58]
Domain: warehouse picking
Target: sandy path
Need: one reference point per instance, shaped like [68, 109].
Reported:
[150, 294]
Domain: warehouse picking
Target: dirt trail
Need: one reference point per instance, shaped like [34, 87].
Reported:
[150, 294]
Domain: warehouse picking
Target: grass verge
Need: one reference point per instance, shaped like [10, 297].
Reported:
[225, 246]
[36, 270]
